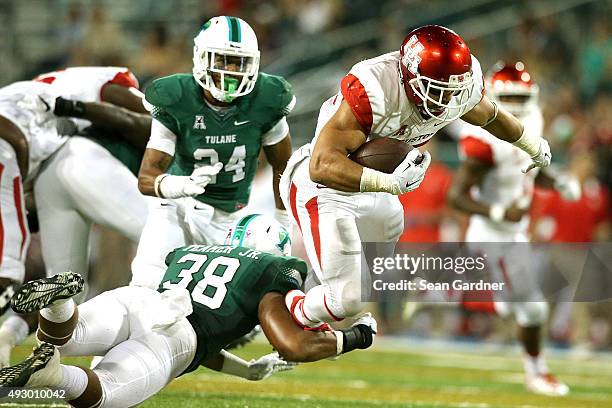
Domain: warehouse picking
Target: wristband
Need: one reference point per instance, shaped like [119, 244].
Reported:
[156, 184]
[357, 337]
[339, 341]
[529, 143]
[67, 107]
[497, 212]
[377, 181]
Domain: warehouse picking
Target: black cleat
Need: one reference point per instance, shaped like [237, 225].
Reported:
[38, 294]
[19, 374]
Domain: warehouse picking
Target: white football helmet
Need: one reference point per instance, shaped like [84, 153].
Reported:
[226, 58]
[261, 233]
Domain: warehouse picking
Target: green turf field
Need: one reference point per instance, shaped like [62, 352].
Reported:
[386, 378]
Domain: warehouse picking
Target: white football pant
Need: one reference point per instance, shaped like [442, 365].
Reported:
[81, 184]
[14, 232]
[136, 364]
[334, 224]
[516, 267]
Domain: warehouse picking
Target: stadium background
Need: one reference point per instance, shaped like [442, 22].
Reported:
[565, 44]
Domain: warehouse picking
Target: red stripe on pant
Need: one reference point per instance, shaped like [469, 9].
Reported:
[1, 223]
[312, 206]
[20, 214]
[293, 203]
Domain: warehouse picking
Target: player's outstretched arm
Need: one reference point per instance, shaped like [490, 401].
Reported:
[298, 345]
[129, 98]
[504, 126]
[329, 164]
[154, 163]
[470, 174]
[134, 127]
[254, 370]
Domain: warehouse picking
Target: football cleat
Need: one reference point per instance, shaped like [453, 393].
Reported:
[41, 369]
[546, 384]
[38, 294]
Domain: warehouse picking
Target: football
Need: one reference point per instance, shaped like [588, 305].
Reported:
[382, 154]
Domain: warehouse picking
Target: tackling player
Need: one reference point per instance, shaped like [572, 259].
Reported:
[490, 186]
[150, 337]
[207, 131]
[409, 95]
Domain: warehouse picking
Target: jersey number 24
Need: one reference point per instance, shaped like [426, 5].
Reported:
[235, 163]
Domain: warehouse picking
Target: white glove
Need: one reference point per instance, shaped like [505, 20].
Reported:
[169, 186]
[409, 175]
[406, 177]
[542, 157]
[367, 320]
[568, 186]
[267, 365]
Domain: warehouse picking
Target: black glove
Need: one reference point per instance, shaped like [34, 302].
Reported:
[68, 107]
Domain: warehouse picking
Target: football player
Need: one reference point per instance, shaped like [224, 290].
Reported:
[490, 186]
[409, 95]
[208, 128]
[27, 137]
[88, 179]
[149, 337]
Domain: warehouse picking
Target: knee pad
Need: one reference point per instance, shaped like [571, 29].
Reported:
[530, 314]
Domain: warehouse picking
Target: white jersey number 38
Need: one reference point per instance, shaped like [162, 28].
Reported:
[213, 297]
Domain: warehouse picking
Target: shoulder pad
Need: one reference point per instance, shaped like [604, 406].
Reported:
[167, 91]
[276, 93]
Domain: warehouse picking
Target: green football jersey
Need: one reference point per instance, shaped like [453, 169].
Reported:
[226, 284]
[232, 136]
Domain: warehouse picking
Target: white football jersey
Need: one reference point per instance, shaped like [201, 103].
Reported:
[85, 84]
[505, 183]
[38, 127]
[380, 104]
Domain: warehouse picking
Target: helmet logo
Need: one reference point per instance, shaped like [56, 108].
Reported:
[411, 58]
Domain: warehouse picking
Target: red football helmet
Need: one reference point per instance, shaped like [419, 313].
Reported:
[436, 71]
[511, 86]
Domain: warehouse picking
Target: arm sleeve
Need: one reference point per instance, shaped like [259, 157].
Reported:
[162, 138]
[277, 133]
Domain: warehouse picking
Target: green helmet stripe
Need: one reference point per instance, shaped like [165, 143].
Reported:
[234, 29]
[240, 228]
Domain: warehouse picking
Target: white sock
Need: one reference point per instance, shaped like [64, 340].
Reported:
[14, 330]
[59, 311]
[74, 381]
[534, 365]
